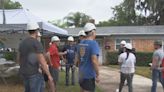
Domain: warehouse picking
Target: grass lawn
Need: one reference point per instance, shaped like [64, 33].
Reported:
[140, 70]
[14, 85]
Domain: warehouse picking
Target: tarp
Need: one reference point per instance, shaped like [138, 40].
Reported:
[16, 17]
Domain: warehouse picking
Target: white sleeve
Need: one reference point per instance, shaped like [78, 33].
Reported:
[120, 59]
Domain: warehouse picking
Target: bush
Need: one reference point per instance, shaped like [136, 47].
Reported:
[10, 55]
[143, 58]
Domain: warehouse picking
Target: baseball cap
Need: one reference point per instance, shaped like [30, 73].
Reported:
[89, 26]
[32, 26]
[128, 46]
[55, 38]
[70, 38]
[82, 33]
[123, 42]
[158, 42]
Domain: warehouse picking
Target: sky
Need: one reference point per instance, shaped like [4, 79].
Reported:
[49, 10]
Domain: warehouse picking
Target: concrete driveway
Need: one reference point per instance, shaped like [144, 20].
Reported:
[109, 81]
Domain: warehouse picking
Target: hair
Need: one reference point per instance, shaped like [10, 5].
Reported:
[89, 33]
[32, 31]
[128, 51]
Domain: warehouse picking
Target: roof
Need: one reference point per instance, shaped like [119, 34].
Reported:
[23, 16]
[123, 30]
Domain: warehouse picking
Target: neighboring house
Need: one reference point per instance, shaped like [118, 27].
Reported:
[141, 37]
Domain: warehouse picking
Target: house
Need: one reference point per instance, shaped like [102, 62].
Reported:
[141, 37]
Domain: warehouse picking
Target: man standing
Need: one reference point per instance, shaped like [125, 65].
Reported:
[70, 59]
[30, 55]
[54, 58]
[122, 47]
[88, 52]
[156, 64]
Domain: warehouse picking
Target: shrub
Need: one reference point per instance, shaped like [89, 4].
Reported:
[10, 55]
[143, 58]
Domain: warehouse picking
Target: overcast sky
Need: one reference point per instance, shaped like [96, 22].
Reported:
[57, 9]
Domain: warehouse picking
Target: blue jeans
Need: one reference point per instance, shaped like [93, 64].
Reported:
[34, 83]
[156, 74]
[68, 67]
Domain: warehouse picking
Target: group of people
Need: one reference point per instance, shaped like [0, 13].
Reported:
[127, 61]
[38, 66]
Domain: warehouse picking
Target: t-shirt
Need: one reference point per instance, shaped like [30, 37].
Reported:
[28, 49]
[128, 65]
[71, 51]
[163, 68]
[159, 54]
[86, 49]
[54, 54]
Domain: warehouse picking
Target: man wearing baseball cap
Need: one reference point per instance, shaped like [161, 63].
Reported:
[122, 47]
[88, 52]
[70, 48]
[30, 56]
[54, 58]
[156, 64]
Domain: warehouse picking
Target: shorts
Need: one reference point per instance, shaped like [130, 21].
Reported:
[55, 74]
[88, 84]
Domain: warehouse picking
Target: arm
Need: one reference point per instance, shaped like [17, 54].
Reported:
[49, 58]
[95, 64]
[42, 61]
[154, 62]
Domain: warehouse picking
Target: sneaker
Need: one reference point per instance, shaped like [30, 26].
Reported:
[117, 90]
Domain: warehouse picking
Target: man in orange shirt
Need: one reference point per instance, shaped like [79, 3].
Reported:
[54, 58]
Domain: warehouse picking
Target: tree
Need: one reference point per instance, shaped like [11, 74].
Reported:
[77, 19]
[155, 8]
[59, 23]
[8, 4]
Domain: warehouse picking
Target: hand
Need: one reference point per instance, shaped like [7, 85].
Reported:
[65, 52]
[50, 78]
[97, 79]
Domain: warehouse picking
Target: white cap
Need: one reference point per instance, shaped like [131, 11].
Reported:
[70, 38]
[32, 26]
[82, 33]
[89, 26]
[39, 34]
[55, 38]
[128, 46]
[123, 42]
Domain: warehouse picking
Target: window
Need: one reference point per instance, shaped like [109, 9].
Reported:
[118, 41]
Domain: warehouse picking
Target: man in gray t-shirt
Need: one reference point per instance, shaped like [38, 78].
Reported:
[30, 56]
[156, 64]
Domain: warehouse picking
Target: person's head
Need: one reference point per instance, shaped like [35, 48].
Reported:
[70, 40]
[82, 35]
[55, 40]
[157, 44]
[90, 30]
[33, 29]
[129, 48]
[122, 44]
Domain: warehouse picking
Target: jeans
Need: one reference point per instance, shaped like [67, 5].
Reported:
[156, 74]
[34, 83]
[129, 78]
[68, 66]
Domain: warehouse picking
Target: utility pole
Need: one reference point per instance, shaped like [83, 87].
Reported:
[3, 11]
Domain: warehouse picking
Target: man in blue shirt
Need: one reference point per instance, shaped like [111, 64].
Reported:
[70, 59]
[88, 52]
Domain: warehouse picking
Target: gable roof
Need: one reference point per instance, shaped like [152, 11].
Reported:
[122, 30]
